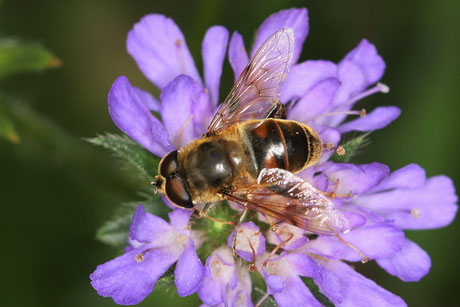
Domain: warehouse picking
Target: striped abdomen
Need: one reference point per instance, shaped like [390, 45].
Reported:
[277, 143]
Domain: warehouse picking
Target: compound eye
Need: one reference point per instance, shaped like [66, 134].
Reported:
[168, 164]
[176, 192]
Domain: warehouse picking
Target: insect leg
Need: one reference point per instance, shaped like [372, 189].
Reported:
[202, 213]
[364, 258]
[235, 231]
[273, 225]
[272, 253]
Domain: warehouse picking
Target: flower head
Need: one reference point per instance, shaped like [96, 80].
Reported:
[378, 204]
[155, 246]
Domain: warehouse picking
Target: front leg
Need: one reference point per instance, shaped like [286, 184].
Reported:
[235, 231]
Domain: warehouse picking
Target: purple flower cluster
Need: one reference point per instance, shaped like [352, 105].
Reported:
[319, 93]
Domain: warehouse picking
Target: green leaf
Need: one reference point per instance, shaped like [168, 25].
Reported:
[7, 130]
[115, 231]
[316, 293]
[258, 294]
[16, 57]
[166, 281]
[352, 148]
[126, 148]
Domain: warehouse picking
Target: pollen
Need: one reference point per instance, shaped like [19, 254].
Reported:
[383, 88]
[415, 213]
[139, 258]
[362, 113]
[340, 150]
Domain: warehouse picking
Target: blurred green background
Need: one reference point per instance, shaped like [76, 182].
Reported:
[56, 189]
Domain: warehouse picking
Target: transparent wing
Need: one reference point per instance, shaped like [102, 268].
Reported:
[288, 198]
[255, 94]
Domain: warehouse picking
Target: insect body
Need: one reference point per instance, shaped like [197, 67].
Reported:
[250, 152]
[209, 166]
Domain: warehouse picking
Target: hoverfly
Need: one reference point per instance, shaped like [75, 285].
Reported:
[250, 152]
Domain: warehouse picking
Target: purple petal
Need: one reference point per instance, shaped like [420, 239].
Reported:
[189, 271]
[410, 264]
[295, 293]
[316, 101]
[329, 135]
[295, 18]
[127, 281]
[211, 292]
[432, 205]
[237, 54]
[357, 290]
[177, 102]
[147, 99]
[213, 51]
[274, 283]
[240, 299]
[304, 75]
[220, 272]
[249, 235]
[366, 56]
[286, 231]
[374, 241]
[180, 218]
[203, 111]
[380, 117]
[356, 178]
[353, 82]
[410, 176]
[132, 116]
[157, 45]
[168, 202]
[328, 283]
[241, 295]
[146, 227]
[354, 219]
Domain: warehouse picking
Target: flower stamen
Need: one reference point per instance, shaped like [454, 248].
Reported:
[415, 212]
[141, 256]
[334, 194]
[340, 150]
[179, 135]
[179, 55]
[262, 299]
[361, 113]
[378, 88]
[364, 258]
[252, 265]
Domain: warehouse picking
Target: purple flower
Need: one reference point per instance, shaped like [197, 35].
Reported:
[314, 90]
[250, 241]
[319, 93]
[155, 246]
[225, 282]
